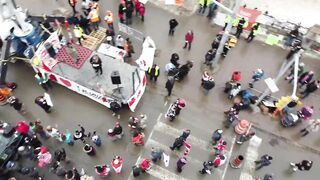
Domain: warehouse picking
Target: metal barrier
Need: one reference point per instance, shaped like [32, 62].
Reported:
[131, 32]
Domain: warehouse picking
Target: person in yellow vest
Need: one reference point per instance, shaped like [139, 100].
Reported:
[254, 31]
[78, 33]
[228, 19]
[108, 18]
[154, 72]
[241, 25]
[128, 47]
[94, 18]
[203, 6]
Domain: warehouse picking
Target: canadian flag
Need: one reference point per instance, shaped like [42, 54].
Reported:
[188, 147]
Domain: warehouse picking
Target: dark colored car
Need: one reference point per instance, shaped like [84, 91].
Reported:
[8, 148]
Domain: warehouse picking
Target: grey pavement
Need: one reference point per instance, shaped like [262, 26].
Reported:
[203, 114]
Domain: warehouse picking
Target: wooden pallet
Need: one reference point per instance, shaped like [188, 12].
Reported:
[94, 39]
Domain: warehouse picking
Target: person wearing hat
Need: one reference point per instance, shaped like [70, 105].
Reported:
[89, 150]
[216, 136]
[257, 75]
[180, 163]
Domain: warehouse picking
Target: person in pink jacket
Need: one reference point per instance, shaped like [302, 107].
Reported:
[188, 39]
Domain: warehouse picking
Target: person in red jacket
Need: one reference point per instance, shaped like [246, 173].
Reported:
[188, 39]
[142, 10]
[137, 5]
[73, 4]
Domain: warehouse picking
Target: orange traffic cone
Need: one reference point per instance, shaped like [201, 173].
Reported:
[179, 2]
[241, 127]
[236, 162]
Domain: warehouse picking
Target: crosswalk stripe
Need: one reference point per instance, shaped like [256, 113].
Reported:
[153, 143]
[251, 156]
[162, 127]
[159, 172]
[228, 157]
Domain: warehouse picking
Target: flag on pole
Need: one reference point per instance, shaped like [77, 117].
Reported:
[188, 147]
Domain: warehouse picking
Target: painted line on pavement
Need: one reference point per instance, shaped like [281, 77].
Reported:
[165, 103]
[229, 157]
[251, 155]
[153, 143]
[162, 127]
[159, 172]
[137, 162]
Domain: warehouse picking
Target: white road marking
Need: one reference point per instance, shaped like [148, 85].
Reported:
[159, 172]
[162, 127]
[153, 143]
[158, 119]
[228, 157]
[251, 155]
[165, 103]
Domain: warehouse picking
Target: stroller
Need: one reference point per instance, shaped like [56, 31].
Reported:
[234, 91]
[290, 119]
[174, 109]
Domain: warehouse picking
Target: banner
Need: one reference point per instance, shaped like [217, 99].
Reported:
[135, 98]
[250, 15]
[42, 55]
[94, 95]
[146, 58]
[112, 51]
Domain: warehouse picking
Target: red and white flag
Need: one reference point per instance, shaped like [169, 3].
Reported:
[188, 147]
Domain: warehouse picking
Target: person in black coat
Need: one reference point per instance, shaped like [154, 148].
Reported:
[84, 24]
[174, 60]
[173, 23]
[129, 11]
[311, 87]
[169, 85]
[177, 143]
[42, 102]
[96, 64]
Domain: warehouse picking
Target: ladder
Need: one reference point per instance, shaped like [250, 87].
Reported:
[94, 39]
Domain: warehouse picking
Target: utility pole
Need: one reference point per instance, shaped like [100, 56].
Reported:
[225, 36]
[282, 71]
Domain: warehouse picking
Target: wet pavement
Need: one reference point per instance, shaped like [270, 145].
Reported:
[202, 115]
